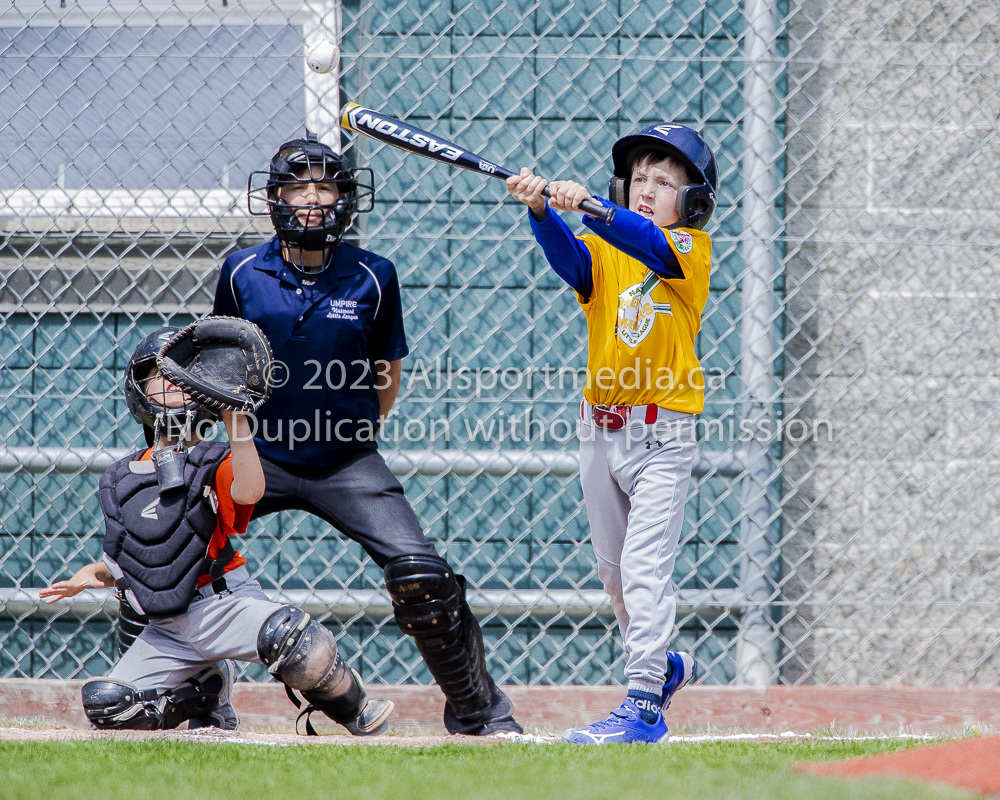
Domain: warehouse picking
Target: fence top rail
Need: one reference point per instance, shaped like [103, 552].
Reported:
[548, 604]
[461, 463]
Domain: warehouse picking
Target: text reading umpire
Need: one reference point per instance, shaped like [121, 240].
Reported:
[332, 314]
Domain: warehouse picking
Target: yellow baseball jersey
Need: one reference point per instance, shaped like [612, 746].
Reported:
[642, 327]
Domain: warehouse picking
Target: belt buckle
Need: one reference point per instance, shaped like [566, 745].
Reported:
[610, 417]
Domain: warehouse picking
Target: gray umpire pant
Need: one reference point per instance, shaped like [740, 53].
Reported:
[215, 627]
[635, 483]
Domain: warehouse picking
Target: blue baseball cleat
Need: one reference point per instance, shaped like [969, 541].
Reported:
[621, 726]
[681, 671]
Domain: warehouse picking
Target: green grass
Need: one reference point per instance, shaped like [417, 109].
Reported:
[27, 722]
[104, 770]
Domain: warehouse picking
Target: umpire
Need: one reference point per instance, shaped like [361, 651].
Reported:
[333, 316]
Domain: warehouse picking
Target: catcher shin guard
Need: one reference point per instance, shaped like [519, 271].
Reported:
[117, 705]
[195, 699]
[215, 681]
[428, 600]
[302, 654]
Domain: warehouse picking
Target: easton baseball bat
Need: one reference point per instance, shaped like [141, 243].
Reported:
[414, 140]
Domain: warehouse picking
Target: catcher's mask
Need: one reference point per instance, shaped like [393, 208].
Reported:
[696, 200]
[146, 410]
[310, 161]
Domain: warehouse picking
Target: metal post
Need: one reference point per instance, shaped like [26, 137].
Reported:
[755, 647]
[357, 84]
[322, 21]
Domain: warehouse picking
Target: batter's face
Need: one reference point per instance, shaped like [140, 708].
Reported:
[310, 193]
[162, 391]
[653, 191]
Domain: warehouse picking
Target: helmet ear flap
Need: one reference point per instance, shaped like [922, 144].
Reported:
[679, 202]
[695, 205]
[618, 191]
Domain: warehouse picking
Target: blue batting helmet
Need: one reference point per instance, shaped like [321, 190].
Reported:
[687, 146]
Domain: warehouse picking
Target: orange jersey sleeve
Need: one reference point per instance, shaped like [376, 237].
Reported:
[232, 518]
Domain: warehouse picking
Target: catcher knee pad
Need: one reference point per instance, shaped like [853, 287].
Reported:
[428, 601]
[118, 705]
[302, 654]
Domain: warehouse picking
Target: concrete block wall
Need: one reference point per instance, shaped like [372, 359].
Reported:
[892, 307]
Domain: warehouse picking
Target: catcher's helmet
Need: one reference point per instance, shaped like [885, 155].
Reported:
[147, 412]
[684, 144]
[305, 161]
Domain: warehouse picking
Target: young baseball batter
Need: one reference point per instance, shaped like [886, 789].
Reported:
[642, 282]
[170, 511]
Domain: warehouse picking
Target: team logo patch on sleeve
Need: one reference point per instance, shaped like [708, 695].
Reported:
[683, 241]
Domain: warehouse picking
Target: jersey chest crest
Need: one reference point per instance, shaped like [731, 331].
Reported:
[637, 311]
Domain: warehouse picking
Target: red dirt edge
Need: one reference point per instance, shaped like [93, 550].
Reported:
[852, 710]
[968, 763]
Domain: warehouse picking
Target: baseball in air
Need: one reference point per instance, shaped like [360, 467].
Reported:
[322, 55]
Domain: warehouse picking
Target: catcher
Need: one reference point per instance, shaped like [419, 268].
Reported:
[170, 511]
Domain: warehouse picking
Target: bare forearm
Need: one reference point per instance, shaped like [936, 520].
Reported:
[248, 476]
[92, 576]
[101, 573]
[387, 386]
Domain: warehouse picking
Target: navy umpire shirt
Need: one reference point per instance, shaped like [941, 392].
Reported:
[325, 330]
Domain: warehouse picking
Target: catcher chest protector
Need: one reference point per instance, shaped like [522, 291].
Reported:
[156, 543]
[429, 604]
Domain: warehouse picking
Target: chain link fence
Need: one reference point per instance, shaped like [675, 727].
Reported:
[841, 527]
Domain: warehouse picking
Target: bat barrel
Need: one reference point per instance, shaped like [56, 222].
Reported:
[397, 133]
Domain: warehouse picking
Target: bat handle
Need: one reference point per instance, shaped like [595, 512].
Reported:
[592, 207]
[595, 209]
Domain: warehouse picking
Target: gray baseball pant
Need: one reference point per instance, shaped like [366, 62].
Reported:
[215, 627]
[635, 483]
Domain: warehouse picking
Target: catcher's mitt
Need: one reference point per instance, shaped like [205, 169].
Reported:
[224, 363]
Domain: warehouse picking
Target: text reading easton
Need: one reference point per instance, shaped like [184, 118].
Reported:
[364, 118]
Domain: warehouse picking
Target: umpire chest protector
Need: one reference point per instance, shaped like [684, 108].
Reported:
[156, 541]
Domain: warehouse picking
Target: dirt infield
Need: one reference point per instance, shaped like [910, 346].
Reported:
[776, 709]
[216, 736]
[28, 731]
[969, 764]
